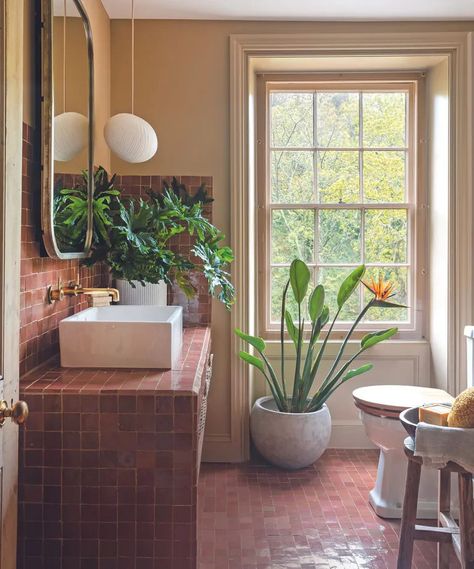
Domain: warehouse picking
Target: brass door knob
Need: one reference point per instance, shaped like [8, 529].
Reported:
[18, 412]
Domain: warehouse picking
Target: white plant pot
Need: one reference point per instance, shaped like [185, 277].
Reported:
[150, 294]
[289, 440]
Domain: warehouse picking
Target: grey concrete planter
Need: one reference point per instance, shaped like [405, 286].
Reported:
[289, 440]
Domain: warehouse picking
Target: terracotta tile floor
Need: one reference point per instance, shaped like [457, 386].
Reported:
[255, 516]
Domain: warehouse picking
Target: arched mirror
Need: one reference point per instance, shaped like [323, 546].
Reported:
[67, 129]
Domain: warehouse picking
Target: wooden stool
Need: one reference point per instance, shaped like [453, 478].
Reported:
[448, 533]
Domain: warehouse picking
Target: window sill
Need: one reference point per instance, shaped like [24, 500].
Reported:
[391, 348]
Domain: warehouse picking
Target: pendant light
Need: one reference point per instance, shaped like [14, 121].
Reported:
[129, 136]
[70, 130]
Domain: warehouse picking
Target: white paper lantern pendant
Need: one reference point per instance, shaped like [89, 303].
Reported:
[70, 135]
[129, 136]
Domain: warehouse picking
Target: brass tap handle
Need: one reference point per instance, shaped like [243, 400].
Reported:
[77, 284]
[57, 293]
[18, 412]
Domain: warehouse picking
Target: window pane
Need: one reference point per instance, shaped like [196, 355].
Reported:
[339, 236]
[399, 277]
[291, 119]
[338, 176]
[338, 119]
[292, 177]
[384, 176]
[331, 279]
[292, 235]
[386, 236]
[384, 119]
[279, 278]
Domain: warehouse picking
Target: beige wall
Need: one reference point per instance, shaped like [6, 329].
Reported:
[100, 24]
[182, 89]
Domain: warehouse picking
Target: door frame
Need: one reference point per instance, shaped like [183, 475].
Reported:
[458, 47]
[11, 134]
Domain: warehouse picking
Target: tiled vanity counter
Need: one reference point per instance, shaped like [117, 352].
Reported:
[109, 462]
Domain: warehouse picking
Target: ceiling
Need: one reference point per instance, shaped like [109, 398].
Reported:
[343, 10]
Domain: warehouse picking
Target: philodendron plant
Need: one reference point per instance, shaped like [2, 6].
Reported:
[308, 362]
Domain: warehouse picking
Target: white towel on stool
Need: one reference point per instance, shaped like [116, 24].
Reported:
[440, 445]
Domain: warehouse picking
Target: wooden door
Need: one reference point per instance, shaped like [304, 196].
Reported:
[11, 128]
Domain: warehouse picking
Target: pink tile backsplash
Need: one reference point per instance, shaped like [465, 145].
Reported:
[39, 320]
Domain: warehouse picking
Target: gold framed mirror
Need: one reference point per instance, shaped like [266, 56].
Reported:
[67, 121]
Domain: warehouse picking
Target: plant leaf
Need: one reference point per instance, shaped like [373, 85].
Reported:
[255, 341]
[349, 285]
[374, 338]
[359, 371]
[290, 326]
[316, 303]
[252, 360]
[299, 279]
[324, 316]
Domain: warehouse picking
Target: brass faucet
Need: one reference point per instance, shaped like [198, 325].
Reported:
[75, 289]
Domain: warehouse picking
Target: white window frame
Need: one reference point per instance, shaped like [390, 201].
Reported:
[412, 84]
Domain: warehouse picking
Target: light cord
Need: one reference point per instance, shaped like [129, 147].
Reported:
[64, 57]
[133, 56]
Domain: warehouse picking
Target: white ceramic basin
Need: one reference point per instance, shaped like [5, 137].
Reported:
[122, 336]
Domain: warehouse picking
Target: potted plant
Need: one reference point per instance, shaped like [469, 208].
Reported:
[132, 236]
[177, 211]
[292, 428]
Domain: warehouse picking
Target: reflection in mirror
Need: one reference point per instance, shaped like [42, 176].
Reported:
[70, 126]
[68, 152]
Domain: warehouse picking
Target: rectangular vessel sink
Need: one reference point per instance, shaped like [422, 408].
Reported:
[122, 336]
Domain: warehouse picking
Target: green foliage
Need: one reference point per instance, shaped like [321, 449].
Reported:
[291, 328]
[132, 237]
[252, 360]
[316, 303]
[71, 210]
[376, 337]
[201, 197]
[348, 285]
[299, 279]
[255, 341]
[308, 363]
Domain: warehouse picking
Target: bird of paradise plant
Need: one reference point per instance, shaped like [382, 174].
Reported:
[307, 368]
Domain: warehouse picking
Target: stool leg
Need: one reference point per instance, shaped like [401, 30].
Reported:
[444, 506]
[466, 520]
[410, 503]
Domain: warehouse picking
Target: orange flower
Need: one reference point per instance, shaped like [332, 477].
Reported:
[383, 290]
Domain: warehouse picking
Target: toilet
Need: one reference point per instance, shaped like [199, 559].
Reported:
[380, 407]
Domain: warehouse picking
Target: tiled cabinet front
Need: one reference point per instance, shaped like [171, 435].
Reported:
[109, 477]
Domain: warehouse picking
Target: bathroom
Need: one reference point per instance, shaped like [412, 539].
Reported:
[247, 154]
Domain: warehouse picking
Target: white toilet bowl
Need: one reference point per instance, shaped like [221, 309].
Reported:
[380, 406]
